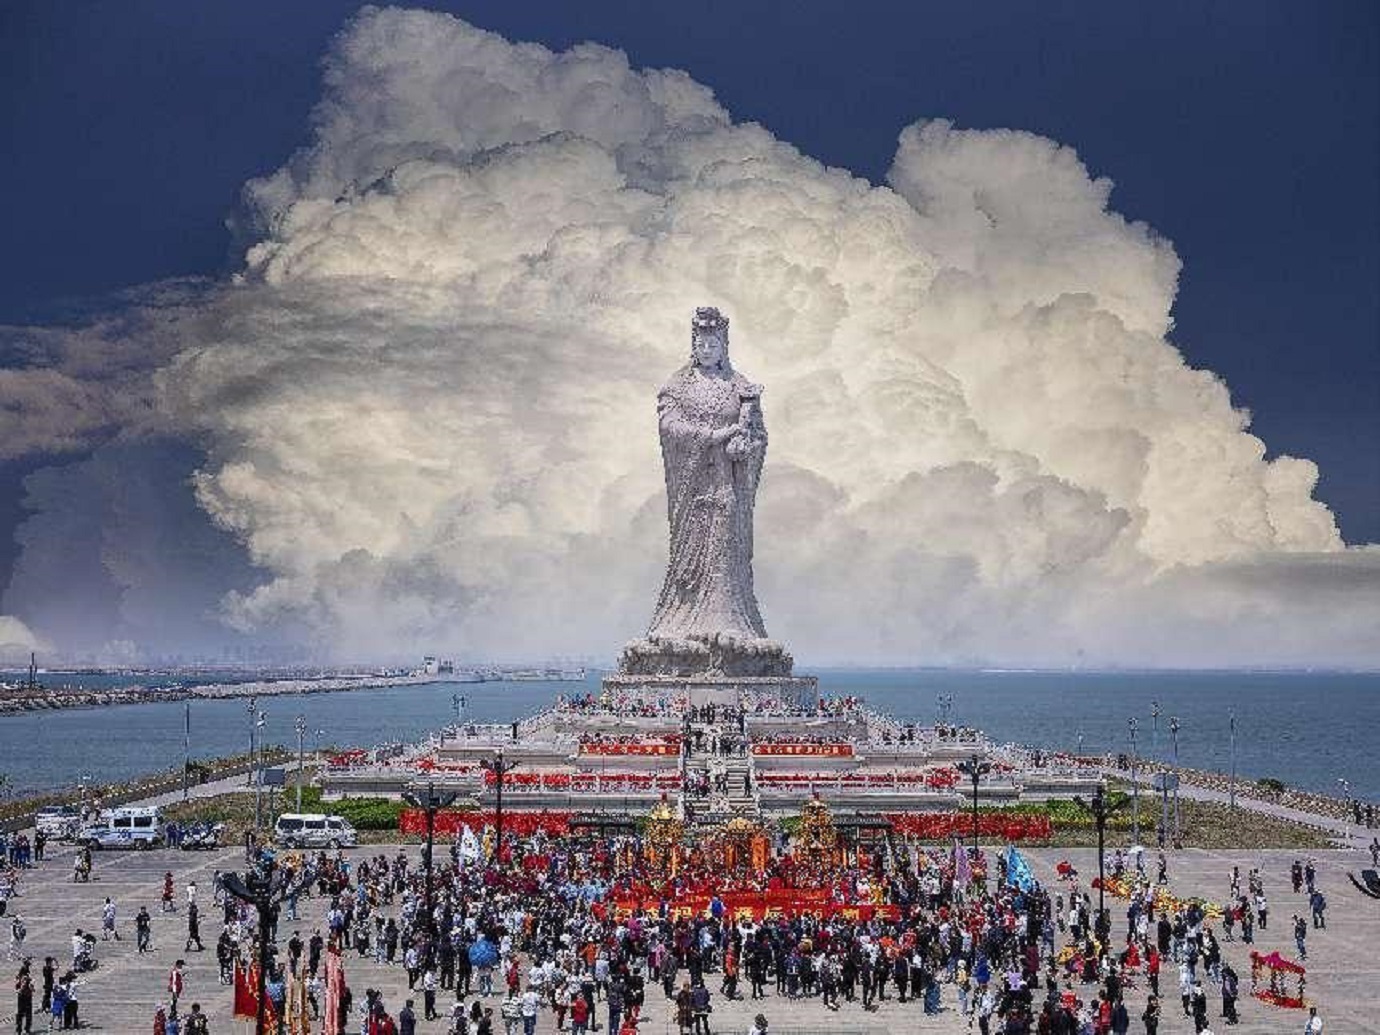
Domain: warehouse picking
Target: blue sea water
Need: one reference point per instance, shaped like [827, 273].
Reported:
[1307, 729]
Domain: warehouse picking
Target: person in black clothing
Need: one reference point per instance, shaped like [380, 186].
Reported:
[1151, 1016]
[24, 1002]
[49, 977]
[900, 973]
[193, 928]
[315, 945]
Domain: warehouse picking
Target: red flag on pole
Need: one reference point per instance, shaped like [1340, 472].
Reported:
[246, 999]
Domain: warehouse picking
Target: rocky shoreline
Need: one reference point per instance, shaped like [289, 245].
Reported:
[14, 702]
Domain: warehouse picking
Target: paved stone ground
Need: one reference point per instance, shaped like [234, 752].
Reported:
[1344, 971]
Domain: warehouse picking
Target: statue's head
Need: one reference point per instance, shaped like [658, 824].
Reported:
[709, 338]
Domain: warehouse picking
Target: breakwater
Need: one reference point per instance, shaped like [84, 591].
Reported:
[26, 700]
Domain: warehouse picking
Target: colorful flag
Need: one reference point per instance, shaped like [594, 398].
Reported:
[246, 995]
[335, 990]
[1018, 870]
[963, 871]
[298, 1015]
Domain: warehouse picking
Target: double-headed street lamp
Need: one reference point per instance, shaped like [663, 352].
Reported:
[257, 888]
[1100, 810]
[1345, 785]
[974, 768]
[430, 803]
[458, 702]
[1155, 730]
[500, 769]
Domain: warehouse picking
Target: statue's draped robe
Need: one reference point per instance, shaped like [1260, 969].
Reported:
[709, 495]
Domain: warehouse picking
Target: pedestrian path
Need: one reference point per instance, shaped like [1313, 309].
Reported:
[1347, 834]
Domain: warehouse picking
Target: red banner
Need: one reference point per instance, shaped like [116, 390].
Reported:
[940, 826]
[247, 997]
[450, 821]
[810, 750]
[757, 905]
[657, 748]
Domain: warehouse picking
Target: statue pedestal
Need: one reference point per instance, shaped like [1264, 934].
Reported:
[784, 692]
[717, 655]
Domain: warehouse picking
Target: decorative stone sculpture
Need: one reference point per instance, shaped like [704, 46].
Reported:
[713, 442]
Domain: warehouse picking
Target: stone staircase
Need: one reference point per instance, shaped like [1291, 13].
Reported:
[732, 787]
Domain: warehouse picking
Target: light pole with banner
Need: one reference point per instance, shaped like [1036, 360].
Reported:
[261, 888]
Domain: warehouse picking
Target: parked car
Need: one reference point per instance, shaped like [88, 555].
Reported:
[314, 830]
[57, 821]
[128, 827]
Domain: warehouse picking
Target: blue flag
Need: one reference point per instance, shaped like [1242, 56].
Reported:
[1018, 870]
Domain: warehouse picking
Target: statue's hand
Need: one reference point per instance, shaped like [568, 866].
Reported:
[721, 435]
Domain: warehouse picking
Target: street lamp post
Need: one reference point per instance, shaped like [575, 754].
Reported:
[1345, 785]
[186, 747]
[974, 768]
[1174, 736]
[1155, 730]
[301, 727]
[82, 781]
[1100, 812]
[1135, 784]
[430, 804]
[257, 889]
[1231, 795]
[253, 709]
[500, 769]
[458, 702]
[260, 720]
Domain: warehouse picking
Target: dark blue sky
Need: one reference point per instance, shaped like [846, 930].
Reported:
[1247, 132]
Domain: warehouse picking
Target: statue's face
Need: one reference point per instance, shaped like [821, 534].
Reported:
[709, 346]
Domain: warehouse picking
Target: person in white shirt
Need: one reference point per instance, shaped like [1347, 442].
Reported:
[1314, 1024]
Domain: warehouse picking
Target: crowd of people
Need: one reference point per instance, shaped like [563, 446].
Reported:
[586, 929]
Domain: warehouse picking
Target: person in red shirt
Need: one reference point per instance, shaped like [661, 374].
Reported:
[579, 1015]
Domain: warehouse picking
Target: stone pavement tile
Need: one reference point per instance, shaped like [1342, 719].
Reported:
[1344, 968]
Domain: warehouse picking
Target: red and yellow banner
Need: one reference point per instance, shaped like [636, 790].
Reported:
[247, 997]
[655, 748]
[805, 749]
[760, 905]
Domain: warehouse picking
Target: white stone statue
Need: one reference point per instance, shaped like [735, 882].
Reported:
[713, 442]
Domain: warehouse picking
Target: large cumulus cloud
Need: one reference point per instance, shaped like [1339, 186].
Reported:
[426, 402]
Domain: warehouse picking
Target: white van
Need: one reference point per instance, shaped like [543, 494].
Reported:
[314, 830]
[132, 826]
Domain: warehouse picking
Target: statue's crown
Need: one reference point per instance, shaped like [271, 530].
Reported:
[708, 317]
